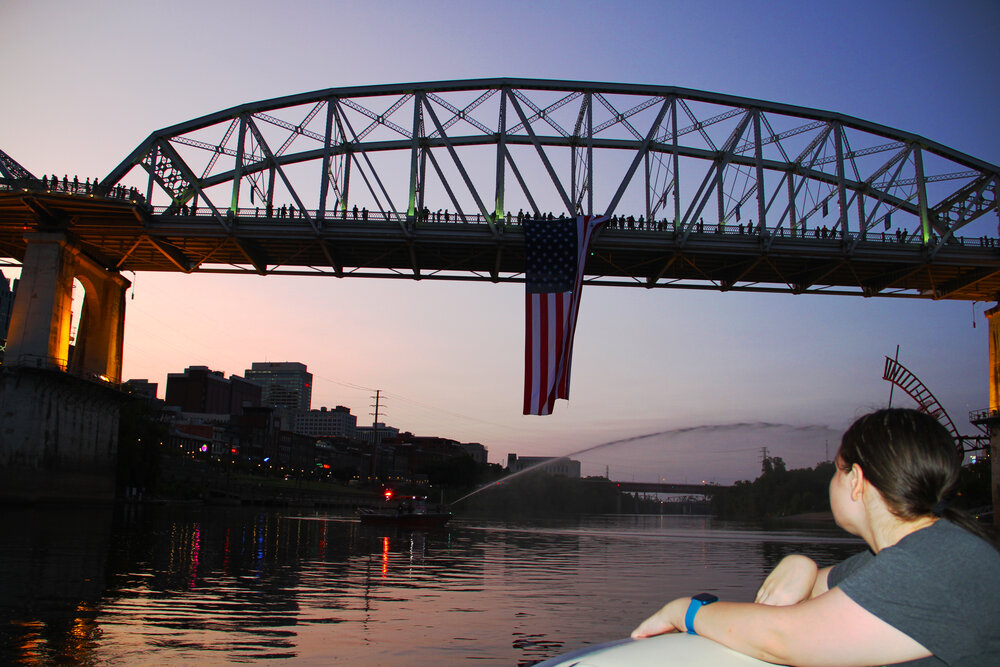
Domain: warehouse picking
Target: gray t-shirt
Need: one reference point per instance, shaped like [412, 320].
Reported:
[940, 586]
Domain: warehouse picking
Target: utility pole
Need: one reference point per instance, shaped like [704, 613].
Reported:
[376, 436]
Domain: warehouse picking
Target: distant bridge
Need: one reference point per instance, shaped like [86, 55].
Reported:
[666, 487]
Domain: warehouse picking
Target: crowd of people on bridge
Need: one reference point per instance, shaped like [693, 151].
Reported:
[87, 187]
[92, 187]
[617, 222]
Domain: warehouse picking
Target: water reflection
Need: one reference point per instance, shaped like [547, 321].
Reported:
[156, 585]
[52, 576]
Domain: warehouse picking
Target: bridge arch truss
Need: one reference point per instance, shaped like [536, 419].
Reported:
[396, 149]
[670, 164]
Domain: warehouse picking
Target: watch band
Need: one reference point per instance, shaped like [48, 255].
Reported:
[697, 602]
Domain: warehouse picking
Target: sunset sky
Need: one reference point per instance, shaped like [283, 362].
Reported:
[84, 83]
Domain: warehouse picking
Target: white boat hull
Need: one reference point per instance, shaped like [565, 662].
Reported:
[671, 650]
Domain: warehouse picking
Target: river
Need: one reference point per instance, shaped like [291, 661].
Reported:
[168, 585]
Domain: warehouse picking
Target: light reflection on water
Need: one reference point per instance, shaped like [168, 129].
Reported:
[154, 585]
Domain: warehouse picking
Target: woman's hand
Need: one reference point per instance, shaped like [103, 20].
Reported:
[789, 583]
[670, 618]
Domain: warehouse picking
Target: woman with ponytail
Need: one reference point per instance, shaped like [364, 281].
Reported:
[926, 592]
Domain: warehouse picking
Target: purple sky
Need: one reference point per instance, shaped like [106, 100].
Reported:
[84, 83]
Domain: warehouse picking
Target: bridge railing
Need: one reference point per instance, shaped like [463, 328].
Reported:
[617, 223]
[443, 216]
[72, 186]
[57, 364]
[983, 416]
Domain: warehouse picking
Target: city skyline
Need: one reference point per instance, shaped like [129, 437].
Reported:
[716, 376]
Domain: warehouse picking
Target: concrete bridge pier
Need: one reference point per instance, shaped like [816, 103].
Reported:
[41, 318]
[59, 429]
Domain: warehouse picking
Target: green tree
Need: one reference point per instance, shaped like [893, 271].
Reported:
[777, 492]
[140, 444]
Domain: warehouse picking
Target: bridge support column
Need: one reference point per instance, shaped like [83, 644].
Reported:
[40, 321]
[993, 423]
[101, 335]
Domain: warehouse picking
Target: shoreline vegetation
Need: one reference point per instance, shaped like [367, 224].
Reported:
[800, 496]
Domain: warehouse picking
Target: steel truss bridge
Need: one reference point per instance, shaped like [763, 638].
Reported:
[431, 181]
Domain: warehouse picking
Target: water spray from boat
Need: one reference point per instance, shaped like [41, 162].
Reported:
[670, 433]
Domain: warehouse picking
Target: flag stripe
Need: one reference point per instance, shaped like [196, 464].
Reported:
[544, 348]
[530, 343]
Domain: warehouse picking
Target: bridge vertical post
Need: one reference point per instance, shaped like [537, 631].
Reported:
[993, 423]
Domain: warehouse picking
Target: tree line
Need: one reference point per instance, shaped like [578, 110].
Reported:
[780, 492]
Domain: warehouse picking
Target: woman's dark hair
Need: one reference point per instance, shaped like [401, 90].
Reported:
[911, 458]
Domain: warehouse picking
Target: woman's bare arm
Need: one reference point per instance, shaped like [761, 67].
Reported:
[790, 582]
[827, 631]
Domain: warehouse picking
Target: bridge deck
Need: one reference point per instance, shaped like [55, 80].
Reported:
[126, 236]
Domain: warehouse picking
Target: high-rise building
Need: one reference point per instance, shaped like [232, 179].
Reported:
[368, 433]
[324, 423]
[200, 389]
[559, 466]
[285, 384]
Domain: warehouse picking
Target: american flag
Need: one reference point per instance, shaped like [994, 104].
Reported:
[556, 252]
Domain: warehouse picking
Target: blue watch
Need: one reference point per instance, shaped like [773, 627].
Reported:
[697, 602]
